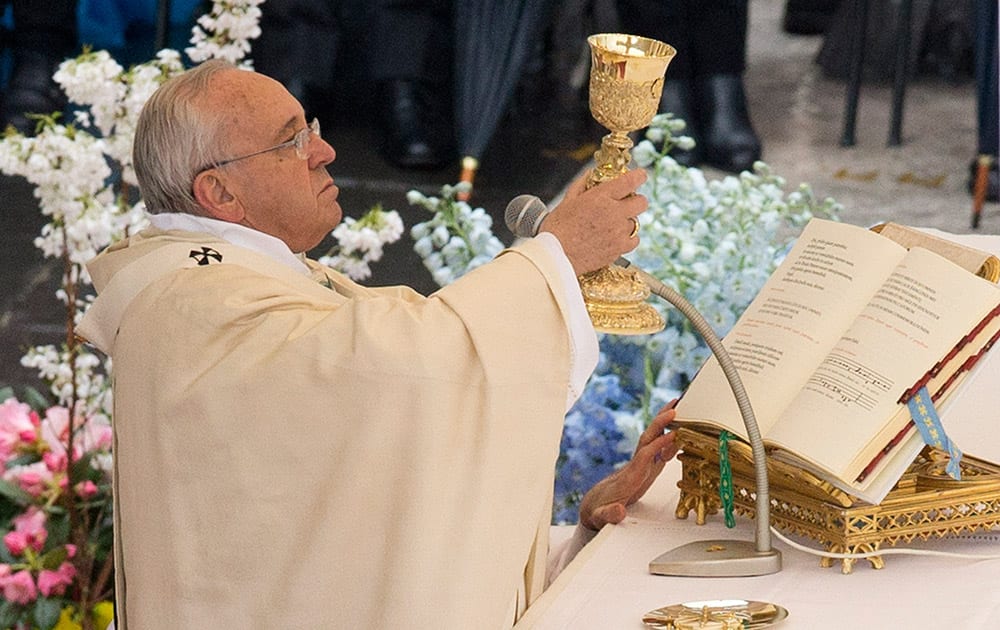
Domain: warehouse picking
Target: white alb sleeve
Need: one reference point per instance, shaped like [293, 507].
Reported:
[583, 340]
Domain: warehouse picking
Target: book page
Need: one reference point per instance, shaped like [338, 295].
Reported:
[972, 259]
[922, 311]
[972, 416]
[804, 308]
[881, 480]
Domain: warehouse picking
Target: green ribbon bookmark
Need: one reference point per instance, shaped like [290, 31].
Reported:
[726, 480]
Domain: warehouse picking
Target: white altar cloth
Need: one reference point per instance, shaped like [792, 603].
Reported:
[608, 586]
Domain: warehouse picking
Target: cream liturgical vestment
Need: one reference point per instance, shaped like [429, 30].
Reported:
[294, 455]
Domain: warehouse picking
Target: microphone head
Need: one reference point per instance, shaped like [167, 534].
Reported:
[524, 215]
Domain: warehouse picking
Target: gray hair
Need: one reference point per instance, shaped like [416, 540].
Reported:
[175, 139]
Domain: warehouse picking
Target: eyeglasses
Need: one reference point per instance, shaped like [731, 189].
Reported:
[300, 141]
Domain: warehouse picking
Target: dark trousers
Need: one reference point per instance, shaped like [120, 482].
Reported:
[411, 40]
[44, 26]
[709, 35]
[303, 40]
[299, 42]
[987, 102]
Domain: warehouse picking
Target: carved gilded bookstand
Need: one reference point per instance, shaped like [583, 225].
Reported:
[925, 503]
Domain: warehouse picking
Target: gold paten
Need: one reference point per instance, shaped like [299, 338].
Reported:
[925, 503]
[732, 613]
[626, 81]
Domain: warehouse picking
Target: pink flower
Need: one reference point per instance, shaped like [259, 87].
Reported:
[55, 428]
[16, 542]
[96, 435]
[89, 434]
[32, 482]
[19, 588]
[32, 521]
[29, 530]
[55, 462]
[86, 489]
[55, 582]
[17, 425]
[32, 478]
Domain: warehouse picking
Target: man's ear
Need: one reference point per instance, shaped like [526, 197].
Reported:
[212, 194]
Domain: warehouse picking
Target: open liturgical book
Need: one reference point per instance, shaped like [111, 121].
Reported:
[849, 327]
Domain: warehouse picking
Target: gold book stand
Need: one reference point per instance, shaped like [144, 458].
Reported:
[925, 503]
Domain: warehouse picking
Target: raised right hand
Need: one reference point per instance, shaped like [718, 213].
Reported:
[595, 225]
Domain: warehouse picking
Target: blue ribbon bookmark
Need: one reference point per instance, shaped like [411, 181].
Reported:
[926, 418]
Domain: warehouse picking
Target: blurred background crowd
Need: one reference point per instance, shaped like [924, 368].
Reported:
[406, 88]
[434, 78]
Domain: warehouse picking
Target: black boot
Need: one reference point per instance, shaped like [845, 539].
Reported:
[415, 124]
[730, 143]
[676, 99]
[808, 17]
[31, 91]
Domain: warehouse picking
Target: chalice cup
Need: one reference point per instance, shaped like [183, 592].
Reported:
[626, 81]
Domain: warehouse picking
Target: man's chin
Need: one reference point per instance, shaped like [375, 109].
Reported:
[329, 208]
[336, 215]
[331, 218]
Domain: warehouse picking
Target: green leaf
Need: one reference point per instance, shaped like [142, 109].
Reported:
[14, 493]
[35, 399]
[6, 392]
[47, 612]
[58, 530]
[53, 559]
[81, 468]
[22, 460]
[7, 558]
[9, 614]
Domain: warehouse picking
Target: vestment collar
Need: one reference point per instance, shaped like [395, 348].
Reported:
[232, 233]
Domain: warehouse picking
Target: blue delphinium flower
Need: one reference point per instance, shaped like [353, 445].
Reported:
[590, 448]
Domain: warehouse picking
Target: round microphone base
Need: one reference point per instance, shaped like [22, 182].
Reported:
[717, 558]
[616, 302]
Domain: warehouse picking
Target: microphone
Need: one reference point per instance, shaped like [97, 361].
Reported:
[524, 215]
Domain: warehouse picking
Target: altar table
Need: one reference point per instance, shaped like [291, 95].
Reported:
[608, 586]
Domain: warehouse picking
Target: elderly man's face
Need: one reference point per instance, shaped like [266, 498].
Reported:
[281, 194]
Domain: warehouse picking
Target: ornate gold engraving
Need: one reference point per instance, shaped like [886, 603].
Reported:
[926, 502]
[616, 301]
[626, 80]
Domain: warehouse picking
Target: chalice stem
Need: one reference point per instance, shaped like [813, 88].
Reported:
[612, 159]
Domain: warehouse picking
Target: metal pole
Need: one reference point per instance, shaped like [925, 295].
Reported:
[162, 24]
[857, 66]
[899, 71]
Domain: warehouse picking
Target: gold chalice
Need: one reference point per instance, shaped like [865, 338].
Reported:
[626, 81]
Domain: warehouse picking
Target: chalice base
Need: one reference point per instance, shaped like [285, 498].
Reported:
[616, 302]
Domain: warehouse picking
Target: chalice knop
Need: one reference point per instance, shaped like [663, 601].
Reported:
[626, 81]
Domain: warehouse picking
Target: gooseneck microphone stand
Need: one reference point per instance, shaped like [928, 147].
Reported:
[721, 558]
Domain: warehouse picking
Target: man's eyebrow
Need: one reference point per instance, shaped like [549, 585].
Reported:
[288, 129]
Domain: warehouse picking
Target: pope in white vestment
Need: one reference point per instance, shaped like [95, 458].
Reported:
[293, 456]
[293, 450]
